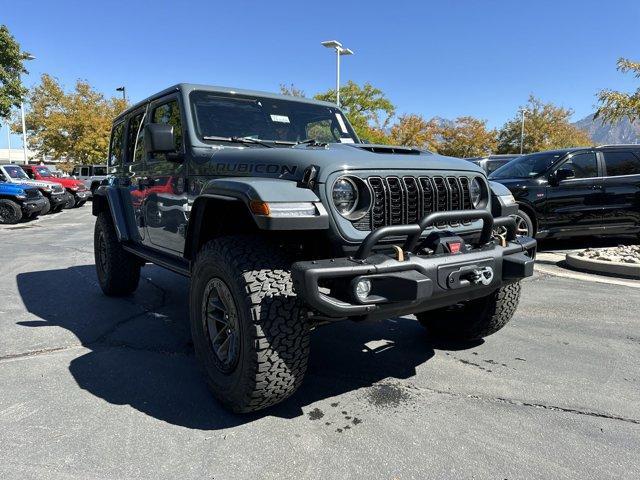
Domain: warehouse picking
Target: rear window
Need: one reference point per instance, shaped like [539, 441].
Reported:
[622, 163]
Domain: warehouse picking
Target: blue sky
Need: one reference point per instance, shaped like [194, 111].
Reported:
[435, 58]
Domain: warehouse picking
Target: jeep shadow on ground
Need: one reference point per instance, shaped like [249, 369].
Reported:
[141, 352]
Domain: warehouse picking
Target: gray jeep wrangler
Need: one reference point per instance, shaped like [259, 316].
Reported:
[283, 220]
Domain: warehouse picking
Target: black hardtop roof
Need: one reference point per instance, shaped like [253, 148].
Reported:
[188, 87]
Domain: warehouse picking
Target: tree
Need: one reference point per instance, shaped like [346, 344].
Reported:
[75, 125]
[367, 108]
[11, 67]
[467, 137]
[413, 130]
[291, 90]
[617, 105]
[547, 127]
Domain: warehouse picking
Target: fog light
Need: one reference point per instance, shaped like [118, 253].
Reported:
[363, 289]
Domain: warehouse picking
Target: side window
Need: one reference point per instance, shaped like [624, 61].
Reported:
[30, 173]
[75, 172]
[135, 140]
[84, 172]
[115, 146]
[584, 164]
[169, 114]
[621, 163]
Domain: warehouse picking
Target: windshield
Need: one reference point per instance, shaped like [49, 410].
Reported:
[527, 166]
[16, 172]
[219, 116]
[44, 171]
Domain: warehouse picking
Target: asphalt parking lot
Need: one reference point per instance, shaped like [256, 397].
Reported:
[94, 387]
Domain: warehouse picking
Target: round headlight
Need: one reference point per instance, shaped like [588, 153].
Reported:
[345, 195]
[475, 191]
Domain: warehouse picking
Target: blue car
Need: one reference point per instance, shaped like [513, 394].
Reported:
[18, 202]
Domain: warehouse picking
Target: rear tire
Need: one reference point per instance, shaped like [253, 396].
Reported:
[118, 270]
[10, 212]
[265, 358]
[474, 319]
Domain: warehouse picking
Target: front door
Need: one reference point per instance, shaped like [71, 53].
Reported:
[576, 204]
[165, 208]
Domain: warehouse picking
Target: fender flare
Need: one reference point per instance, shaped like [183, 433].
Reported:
[244, 191]
[117, 201]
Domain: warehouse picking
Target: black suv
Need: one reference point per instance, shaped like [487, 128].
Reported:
[576, 191]
[283, 220]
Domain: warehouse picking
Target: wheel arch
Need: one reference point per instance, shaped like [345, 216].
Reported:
[531, 213]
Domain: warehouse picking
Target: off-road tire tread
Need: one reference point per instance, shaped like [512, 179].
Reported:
[477, 319]
[47, 207]
[279, 335]
[124, 268]
[16, 209]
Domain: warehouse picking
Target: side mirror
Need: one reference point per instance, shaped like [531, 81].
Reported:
[564, 173]
[159, 138]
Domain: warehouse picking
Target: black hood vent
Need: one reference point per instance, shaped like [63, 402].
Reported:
[388, 149]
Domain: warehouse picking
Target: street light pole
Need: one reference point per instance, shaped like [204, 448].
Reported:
[340, 50]
[522, 111]
[123, 90]
[24, 134]
[9, 140]
[28, 56]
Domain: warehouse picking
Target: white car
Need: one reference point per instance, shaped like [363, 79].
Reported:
[90, 175]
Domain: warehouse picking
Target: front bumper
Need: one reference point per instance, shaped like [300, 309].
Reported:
[81, 194]
[409, 282]
[35, 205]
[57, 199]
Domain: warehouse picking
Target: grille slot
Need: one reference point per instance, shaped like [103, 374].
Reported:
[403, 200]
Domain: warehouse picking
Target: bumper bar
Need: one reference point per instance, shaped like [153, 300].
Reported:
[415, 282]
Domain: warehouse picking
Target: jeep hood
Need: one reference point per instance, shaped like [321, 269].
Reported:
[9, 188]
[35, 183]
[290, 163]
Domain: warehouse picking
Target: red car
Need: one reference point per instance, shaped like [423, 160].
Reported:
[77, 190]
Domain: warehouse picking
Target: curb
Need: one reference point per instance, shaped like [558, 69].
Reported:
[627, 270]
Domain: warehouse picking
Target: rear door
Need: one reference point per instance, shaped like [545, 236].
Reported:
[576, 204]
[134, 165]
[622, 189]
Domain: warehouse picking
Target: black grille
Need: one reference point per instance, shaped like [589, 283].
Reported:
[32, 193]
[58, 188]
[399, 201]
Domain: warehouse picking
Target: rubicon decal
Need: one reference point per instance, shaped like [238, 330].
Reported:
[269, 168]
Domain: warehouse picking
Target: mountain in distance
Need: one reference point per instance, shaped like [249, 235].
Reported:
[601, 133]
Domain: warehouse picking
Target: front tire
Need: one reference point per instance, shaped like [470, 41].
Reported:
[118, 270]
[71, 201]
[248, 331]
[47, 207]
[10, 212]
[474, 319]
[524, 224]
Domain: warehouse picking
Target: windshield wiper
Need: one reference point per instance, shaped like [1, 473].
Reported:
[244, 140]
[310, 141]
